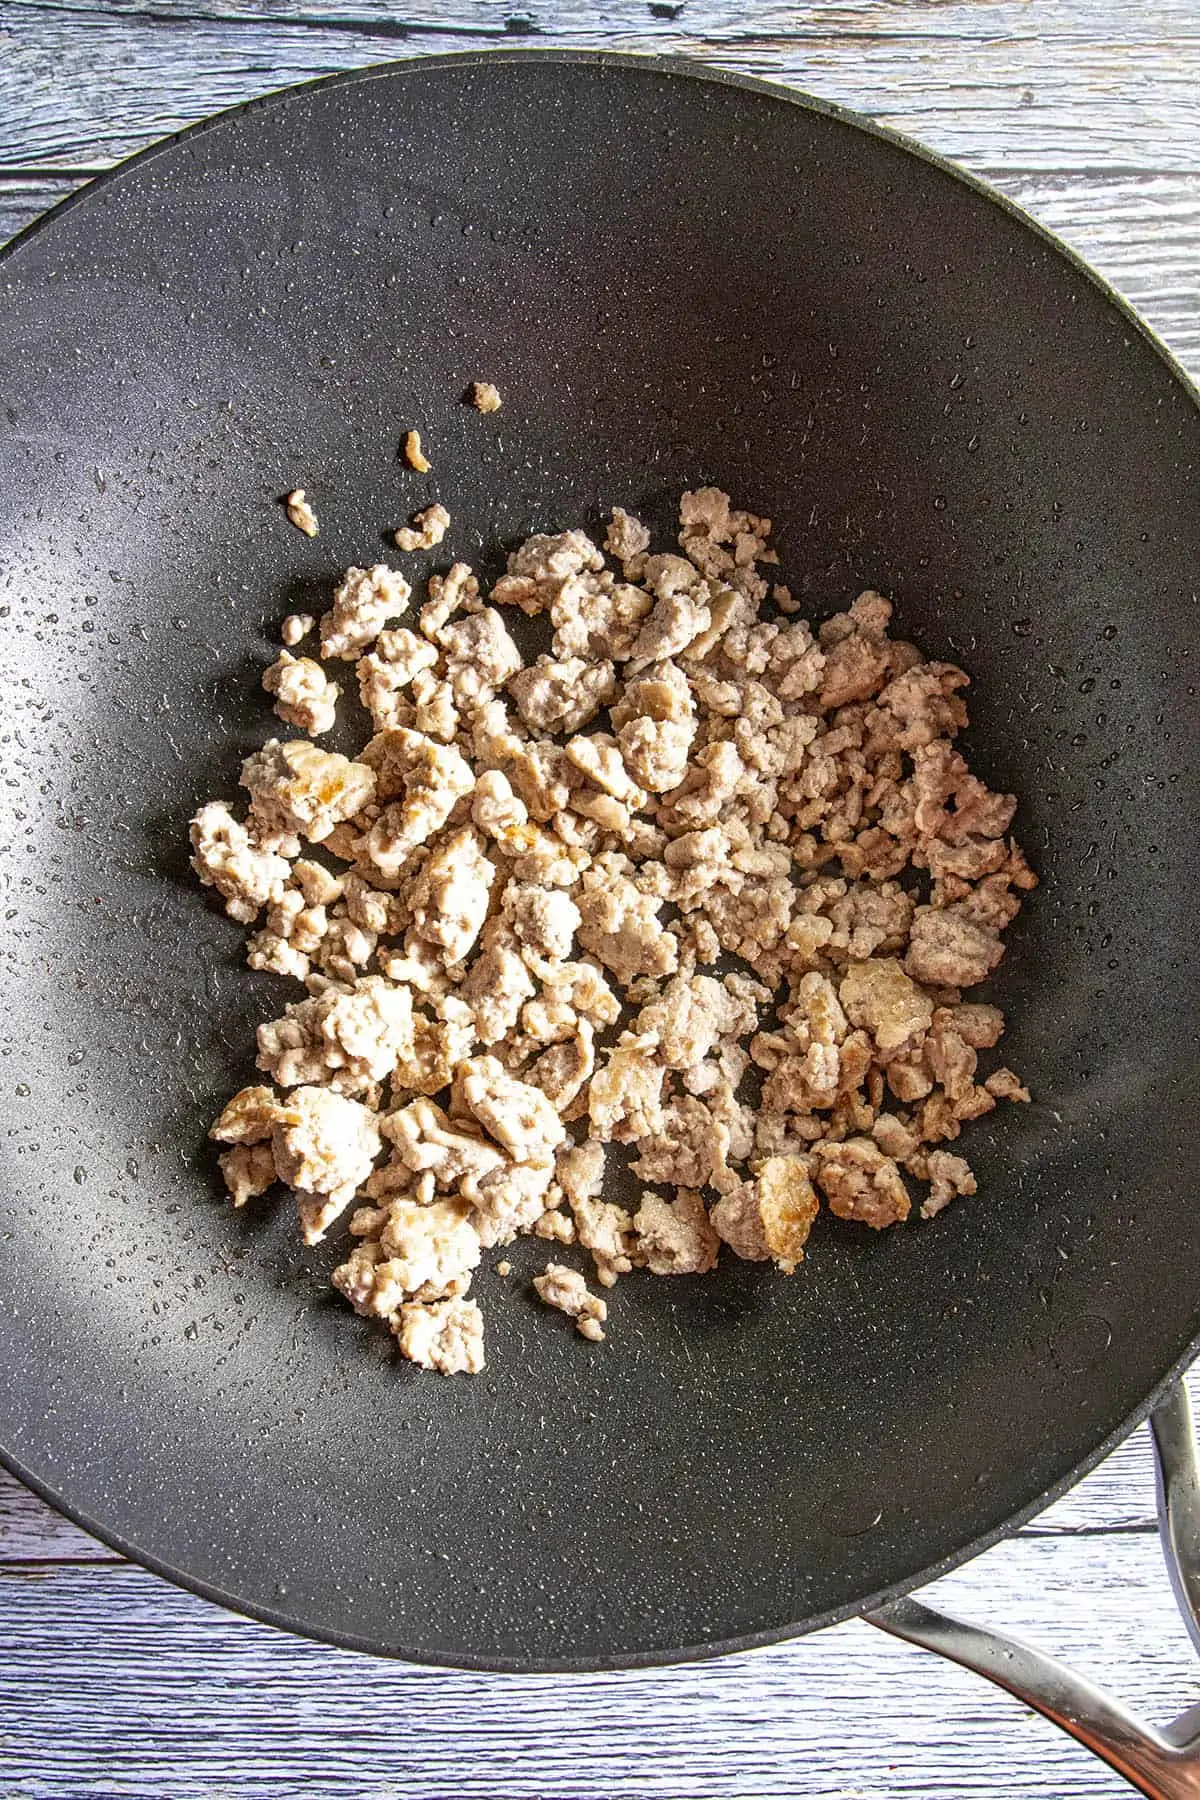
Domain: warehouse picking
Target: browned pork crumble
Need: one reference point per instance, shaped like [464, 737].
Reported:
[414, 456]
[697, 880]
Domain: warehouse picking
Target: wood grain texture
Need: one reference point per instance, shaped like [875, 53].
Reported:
[1142, 232]
[112, 1685]
[22, 200]
[974, 21]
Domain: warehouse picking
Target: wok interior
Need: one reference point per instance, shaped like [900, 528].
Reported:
[673, 281]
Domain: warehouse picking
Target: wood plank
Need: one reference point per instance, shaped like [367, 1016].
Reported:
[114, 1685]
[974, 20]
[32, 1532]
[1098, 99]
[1140, 231]
[23, 199]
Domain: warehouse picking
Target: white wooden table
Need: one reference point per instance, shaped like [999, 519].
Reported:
[112, 1683]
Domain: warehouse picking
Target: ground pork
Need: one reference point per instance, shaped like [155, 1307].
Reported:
[228, 856]
[363, 602]
[298, 790]
[304, 695]
[675, 1237]
[625, 1098]
[771, 1215]
[860, 1182]
[420, 782]
[413, 454]
[394, 663]
[561, 694]
[446, 1335]
[427, 530]
[323, 1146]
[621, 927]
[247, 1170]
[448, 901]
[295, 628]
[627, 540]
[693, 881]
[347, 1039]
[948, 949]
[300, 512]
[567, 1291]
[518, 1116]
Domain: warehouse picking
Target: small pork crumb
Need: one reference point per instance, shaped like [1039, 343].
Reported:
[304, 695]
[584, 900]
[485, 397]
[295, 628]
[446, 1335]
[427, 530]
[566, 1290]
[301, 513]
[414, 456]
[363, 602]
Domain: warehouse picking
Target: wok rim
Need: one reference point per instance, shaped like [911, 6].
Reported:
[686, 68]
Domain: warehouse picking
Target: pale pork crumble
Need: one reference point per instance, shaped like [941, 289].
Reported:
[485, 396]
[301, 513]
[692, 879]
[295, 628]
[427, 530]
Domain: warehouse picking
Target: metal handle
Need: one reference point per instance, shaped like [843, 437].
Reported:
[1162, 1764]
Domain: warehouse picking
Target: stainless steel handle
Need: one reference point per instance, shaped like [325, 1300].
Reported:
[1162, 1764]
[1178, 1471]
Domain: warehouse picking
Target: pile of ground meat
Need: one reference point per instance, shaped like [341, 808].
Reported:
[695, 881]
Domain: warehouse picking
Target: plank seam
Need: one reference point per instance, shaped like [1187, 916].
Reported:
[518, 23]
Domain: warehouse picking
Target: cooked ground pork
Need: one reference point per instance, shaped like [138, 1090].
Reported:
[446, 1335]
[427, 529]
[363, 602]
[413, 454]
[301, 513]
[587, 898]
[485, 396]
[304, 695]
[295, 628]
[567, 1291]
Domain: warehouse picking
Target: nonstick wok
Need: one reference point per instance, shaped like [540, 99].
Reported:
[674, 278]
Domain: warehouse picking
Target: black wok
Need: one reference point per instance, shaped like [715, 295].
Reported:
[674, 278]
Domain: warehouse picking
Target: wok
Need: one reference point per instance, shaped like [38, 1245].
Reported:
[674, 278]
